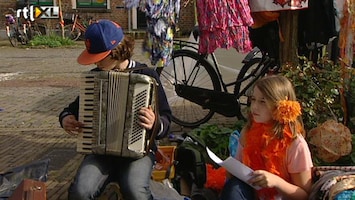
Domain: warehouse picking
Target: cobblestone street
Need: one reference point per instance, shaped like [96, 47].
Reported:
[35, 85]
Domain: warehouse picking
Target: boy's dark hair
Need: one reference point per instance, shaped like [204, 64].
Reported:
[124, 50]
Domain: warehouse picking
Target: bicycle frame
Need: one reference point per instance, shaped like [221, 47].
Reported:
[252, 54]
[75, 29]
[77, 24]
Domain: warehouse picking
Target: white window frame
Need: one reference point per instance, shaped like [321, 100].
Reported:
[74, 6]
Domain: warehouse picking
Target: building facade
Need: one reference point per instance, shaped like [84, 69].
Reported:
[132, 20]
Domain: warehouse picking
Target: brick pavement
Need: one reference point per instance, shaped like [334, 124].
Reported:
[35, 85]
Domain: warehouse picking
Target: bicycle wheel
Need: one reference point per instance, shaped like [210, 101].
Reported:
[188, 68]
[35, 30]
[30, 33]
[22, 37]
[71, 33]
[249, 73]
[40, 29]
[13, 37]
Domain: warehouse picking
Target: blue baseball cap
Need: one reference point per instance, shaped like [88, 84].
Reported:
[100, 38]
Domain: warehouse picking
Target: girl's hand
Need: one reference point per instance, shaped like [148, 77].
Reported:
[146, 117]
[71, 125]
[264, 179]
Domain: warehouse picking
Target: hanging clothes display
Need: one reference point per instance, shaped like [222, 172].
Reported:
[224, 24]
[266, 32]
[162, 17]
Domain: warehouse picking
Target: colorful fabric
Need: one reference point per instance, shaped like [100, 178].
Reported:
[345, 195]
[333, 182]
[162, 17]
[224, 24]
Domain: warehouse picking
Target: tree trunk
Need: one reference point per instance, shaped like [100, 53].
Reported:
[288, 27]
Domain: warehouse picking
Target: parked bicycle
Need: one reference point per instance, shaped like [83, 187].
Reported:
[196, 89]
[74, 28]
[15, 31]
[35, 29]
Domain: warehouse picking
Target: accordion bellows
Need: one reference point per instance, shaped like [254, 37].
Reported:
[109, 105]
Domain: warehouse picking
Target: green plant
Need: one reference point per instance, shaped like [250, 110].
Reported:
[50, 41]
[217, 137]
[317, 87]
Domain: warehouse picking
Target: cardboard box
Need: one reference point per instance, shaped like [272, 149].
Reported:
[165, 158]
[30, 190]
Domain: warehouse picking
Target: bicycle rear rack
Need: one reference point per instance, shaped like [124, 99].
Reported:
[180, 44]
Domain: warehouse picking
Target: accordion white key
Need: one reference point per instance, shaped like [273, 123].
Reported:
[108, 107]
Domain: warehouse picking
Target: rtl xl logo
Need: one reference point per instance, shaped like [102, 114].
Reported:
[43, 12]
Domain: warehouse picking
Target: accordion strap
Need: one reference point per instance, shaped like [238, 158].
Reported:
[142, 66]
[156, 121]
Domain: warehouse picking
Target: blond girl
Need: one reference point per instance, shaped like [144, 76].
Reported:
[272, 144]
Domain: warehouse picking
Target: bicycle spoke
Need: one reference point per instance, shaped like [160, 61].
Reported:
[249, 73]
[200, 78]
[193, 73]
[184, 69]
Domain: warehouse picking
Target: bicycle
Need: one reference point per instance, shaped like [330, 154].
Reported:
[14, 32]
[195, 87]
[75, 28]
[35, 29]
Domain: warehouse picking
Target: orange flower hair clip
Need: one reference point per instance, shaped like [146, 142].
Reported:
[287, 111]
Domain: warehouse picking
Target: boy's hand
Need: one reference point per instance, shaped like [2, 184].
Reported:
[71, 125]
[146, 117]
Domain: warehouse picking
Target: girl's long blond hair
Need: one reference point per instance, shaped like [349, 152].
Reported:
[276, 88]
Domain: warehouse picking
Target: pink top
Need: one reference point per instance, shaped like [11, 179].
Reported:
[298, 157]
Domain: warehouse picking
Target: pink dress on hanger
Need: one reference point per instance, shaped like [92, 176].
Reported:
[224, 24]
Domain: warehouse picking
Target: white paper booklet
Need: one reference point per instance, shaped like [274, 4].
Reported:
[233, 166]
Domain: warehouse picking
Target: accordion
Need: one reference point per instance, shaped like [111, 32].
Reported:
[108, 107]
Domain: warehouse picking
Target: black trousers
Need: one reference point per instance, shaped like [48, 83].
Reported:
[267, 39]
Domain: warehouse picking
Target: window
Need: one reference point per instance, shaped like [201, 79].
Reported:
[41, 2]
[23, 3]
[91, 3]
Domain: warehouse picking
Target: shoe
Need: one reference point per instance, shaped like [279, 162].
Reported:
[111, 192]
